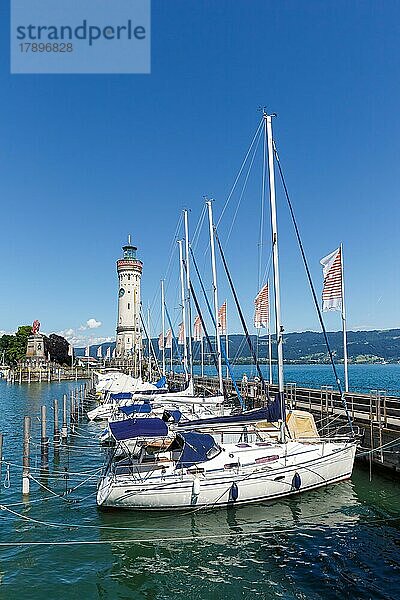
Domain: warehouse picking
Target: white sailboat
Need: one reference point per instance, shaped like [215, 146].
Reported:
[193, 470]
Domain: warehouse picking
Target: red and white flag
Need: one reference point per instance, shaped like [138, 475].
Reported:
[332, 294]
[261, 307]
[181, 334]
[161, 342]
[197, 330]
[222, 319]
[168, 339]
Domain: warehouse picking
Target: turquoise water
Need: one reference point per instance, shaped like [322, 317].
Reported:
[362, 378]
[339, 542]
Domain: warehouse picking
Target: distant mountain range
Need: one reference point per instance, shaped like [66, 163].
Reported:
[304, 347]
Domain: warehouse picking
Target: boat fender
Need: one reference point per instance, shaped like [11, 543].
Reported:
[196, 487]
[234, 492]
[296, 482]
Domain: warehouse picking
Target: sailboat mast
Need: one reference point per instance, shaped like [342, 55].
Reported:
[189, 308]
[215, 290]
[269, 338]
[163, 325]
[183, 300]
[346, 369]
[149, 342]
[275, 260]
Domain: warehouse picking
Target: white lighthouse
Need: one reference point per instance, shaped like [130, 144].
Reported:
[129, 270]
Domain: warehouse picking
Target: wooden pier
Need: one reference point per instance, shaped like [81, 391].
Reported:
[376, 414]
[48, 374]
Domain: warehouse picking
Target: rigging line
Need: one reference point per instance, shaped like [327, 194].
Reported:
[212, 353]
[243, 189]
[150, 344]
[240, 172]
[260, 241]
[246, 332]
[174, 338]
[196, 235]
[227, 362]
[265, 278]
[311, 284]
[173, 246]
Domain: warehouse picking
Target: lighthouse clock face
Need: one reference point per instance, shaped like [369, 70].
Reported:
[121, 292]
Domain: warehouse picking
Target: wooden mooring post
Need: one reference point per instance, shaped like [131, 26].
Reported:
[56, 431]
[72, 413]
[64, 429]
[44, 440]
[25, 457]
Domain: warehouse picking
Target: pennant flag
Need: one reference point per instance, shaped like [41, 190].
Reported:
[197, 330]
[181, 334]
[222, 319]
[332, 292]
[108, 353]
[160, 342]
[100, 352]
[168, 339]
[261, 307]
[87, 351]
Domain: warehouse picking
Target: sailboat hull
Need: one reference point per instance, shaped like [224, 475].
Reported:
[326, 464]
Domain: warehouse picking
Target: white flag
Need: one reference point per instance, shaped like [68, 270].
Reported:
[70, 350]
[332, 297]
[114, 353]
[87, 351]
[100, 352]
[108, 353]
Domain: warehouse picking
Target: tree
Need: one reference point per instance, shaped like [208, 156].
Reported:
[14, 346]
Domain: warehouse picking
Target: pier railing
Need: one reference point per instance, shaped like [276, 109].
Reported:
[377, 414]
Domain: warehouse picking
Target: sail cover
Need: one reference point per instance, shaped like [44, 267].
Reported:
[121, 396]
[135, 408]
[161, 382]
[195, 448]
[133, 428]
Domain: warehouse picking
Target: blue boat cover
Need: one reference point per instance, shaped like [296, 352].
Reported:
[195, 448]
[274, 410]
[133, 428]
[172, 415]
[144, 408]
[161, 382]
[121, 396]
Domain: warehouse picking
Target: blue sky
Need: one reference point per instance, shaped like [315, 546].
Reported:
[87, 159]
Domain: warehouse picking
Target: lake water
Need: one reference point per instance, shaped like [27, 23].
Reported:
[339, 542]
[362, 378]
